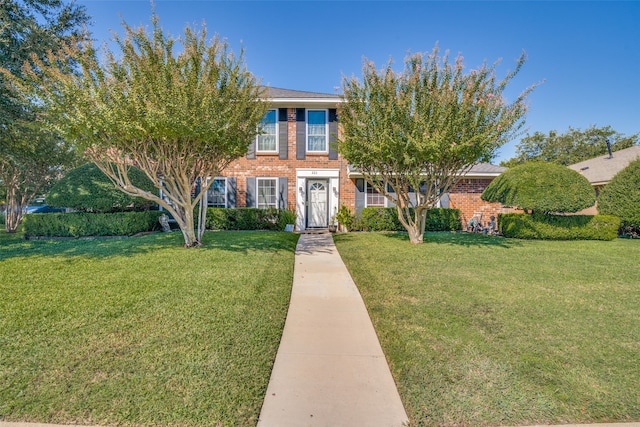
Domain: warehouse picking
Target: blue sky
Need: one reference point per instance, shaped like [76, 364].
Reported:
[587, 53]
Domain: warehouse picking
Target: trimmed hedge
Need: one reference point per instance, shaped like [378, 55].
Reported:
[87, 189]
[386, 219]
[621, 197]
[542, 188]
[80, 224]
[248, 219]
[558, 227]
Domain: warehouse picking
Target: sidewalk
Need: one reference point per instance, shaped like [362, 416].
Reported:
[330, 369]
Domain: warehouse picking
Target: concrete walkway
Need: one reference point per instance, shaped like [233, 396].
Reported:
[330, 369]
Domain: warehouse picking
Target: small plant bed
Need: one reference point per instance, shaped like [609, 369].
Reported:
[482, 330]
[141, 331]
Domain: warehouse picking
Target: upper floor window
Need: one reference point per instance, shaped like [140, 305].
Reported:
[267, 193]
[267, 140]
[217, 194]
[317, 131]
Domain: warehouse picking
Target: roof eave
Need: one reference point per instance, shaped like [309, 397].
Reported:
[301, 102]
[358, 174]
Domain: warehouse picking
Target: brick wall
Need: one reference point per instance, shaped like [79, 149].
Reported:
[466, 197]
[270, 165]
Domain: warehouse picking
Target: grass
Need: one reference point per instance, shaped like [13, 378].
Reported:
[482, 330]
[139, 331]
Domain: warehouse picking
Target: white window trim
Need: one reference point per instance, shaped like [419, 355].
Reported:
[366, 204]
[226, 191]
[277, 136]
[326, 132]
[258, 180]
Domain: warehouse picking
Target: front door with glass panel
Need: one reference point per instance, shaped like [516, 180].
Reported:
[318, 206]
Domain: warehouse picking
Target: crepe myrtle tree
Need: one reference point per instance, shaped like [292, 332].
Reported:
[418, 131]
[30, 162]
[179, 115]
[31, 156]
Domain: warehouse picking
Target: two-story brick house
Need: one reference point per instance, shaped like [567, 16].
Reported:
[294, 164]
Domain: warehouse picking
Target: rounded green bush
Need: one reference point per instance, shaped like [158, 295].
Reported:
[87, 189]
[621, 196]
[541, 187]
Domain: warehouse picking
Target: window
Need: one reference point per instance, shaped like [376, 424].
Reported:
[374, 198]
[267, 193]
[267, 140]
[317, 131]
[217, 194]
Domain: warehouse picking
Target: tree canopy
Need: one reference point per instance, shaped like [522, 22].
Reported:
[542, 188]
[32, 157]
[570, 147]
[621, 197]
[32, 27]
[416, 132]
[180, 115]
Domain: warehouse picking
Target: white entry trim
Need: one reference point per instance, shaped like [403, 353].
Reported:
[333, 176]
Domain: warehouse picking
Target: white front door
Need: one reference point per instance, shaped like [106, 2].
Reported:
[318, 196]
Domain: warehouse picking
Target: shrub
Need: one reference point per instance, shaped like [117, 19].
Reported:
[80, 224]
[621, 197]
[558, 227]
[386, 219]
[248, 219]
[380, 219]
[87, 189]
[442, 219]
[345, 218]
[541, 187]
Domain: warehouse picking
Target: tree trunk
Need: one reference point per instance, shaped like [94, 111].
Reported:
[415, 235]
[414, 225]
[13, 218]
[14, 211]
[188, 229]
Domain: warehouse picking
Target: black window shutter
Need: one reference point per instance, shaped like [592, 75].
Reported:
[251, 193]
[333, 134]
[283, 189]
[301, 134]
[360, 195]
[231, 192]
[283, 134]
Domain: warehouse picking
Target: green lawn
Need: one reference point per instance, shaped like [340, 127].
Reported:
[139, 331]
[483, 330]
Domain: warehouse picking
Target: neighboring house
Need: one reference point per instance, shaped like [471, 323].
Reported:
[294, 165]
[600, 170]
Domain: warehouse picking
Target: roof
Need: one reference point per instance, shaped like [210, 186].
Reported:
[299, 98]
[486, 169]
[601, 169]
[479, 170]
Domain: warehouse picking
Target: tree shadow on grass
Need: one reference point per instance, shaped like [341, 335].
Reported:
[245, 241]
[450, 238]
[105, 247]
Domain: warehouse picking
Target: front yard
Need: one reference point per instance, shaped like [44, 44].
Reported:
[139, 330]
[482, 330]
[478, 330]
